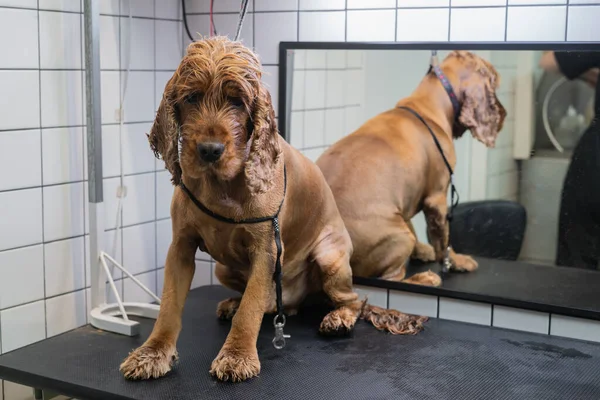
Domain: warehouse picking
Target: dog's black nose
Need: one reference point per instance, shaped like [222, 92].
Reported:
[210, 152]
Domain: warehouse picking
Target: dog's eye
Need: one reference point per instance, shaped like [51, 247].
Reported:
[236, 102]
[193, 98]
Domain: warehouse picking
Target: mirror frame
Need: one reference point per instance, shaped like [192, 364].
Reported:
[284, 102]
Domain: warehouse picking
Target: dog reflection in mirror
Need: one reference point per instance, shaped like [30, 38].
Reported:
[215, 129]
[390, 169]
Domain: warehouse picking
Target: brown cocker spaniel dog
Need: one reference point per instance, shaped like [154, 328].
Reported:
[216, 132]
[390, 169]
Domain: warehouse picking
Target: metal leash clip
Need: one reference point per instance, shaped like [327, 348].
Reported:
[447, 263]
[279, 339]
[434, 58]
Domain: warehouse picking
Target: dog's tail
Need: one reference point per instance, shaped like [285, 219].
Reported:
[392, 321]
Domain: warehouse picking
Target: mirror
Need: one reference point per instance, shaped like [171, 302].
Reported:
[521, 220]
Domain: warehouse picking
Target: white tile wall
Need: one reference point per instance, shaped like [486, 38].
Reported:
[22, 325]
[27, 162]
[414, 303]
[477, 24]
[371, 26]
[465, 311]
[581, 26]
[522, 320]
[536, 24]
[576, 328]
[375, 296]
[423, 25]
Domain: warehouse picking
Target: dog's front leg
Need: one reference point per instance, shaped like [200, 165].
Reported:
[156, 356]
[238, 358]
[436, 209]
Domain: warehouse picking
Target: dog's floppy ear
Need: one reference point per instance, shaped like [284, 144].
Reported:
[164, 135]
[481, 110]
[264, 145]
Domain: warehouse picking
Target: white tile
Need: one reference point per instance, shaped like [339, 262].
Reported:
[315, 87]
[353, 119]
[19, 3]
[314, 128]
[21, 276]
[421, 3]
[336, 58]
[139, 101]
[355, 87]
[275, 5]
[536, 24]
[583, 2]
[545, 2]
[60, 40]
[164, 194]
[414, 303]
[334, 125]
[139, 203]
[192, 6]
[62, 98]
[298, 84]
[322, 4]
[270, 79]
[477, 3]
[334, 96]
[465, 311]
[109, 42]
[137, 156]
[500, 160]
[22, 326]
[61, 5]
[427, 25]
[200, 255]
[226, 25]
[583, 24]
[132, 292]
[375, 296]
[322, 26]
[21, 216]
[354, 58]
[28, 163]
[110, 96]
[140, 52]
[274, 28]
[63, 155]
[296, 134]
[575, 328]
[371, 26]
[20, 108]
[169, 47]
[64, 266]
[110, 249]
[164, 235]
[202, 275]
[477, 24]
[66, 312]
[371, 4]
[139, 248]
[15, 391]
[170, 9]
[316, 59]
[519, 319]
[139, 8]
[21, 24]
[109, 7]
[161, 81]
[63, 211]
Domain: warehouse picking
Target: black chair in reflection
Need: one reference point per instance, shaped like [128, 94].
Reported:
[489, 228]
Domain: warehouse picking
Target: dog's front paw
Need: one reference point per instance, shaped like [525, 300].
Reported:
[227, 308]
[461, 262]
[229, 366]
[339, 322]
[423, 252]
[149, 362]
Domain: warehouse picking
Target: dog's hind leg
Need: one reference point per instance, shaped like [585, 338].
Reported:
[232, 279]
[157, 355]
[332, 255]
[422, 251]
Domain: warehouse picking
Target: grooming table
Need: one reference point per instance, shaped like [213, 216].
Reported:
[448, 360]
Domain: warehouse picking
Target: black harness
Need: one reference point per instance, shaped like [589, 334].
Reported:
[454, 198]
[279, 321]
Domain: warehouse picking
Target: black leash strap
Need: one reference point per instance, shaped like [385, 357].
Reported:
[453, 192]
[279, 321]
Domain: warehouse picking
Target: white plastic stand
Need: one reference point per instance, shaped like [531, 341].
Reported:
[109, 317]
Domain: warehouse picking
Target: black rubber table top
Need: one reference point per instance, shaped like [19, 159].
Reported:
[448, 360]
[560, 290]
